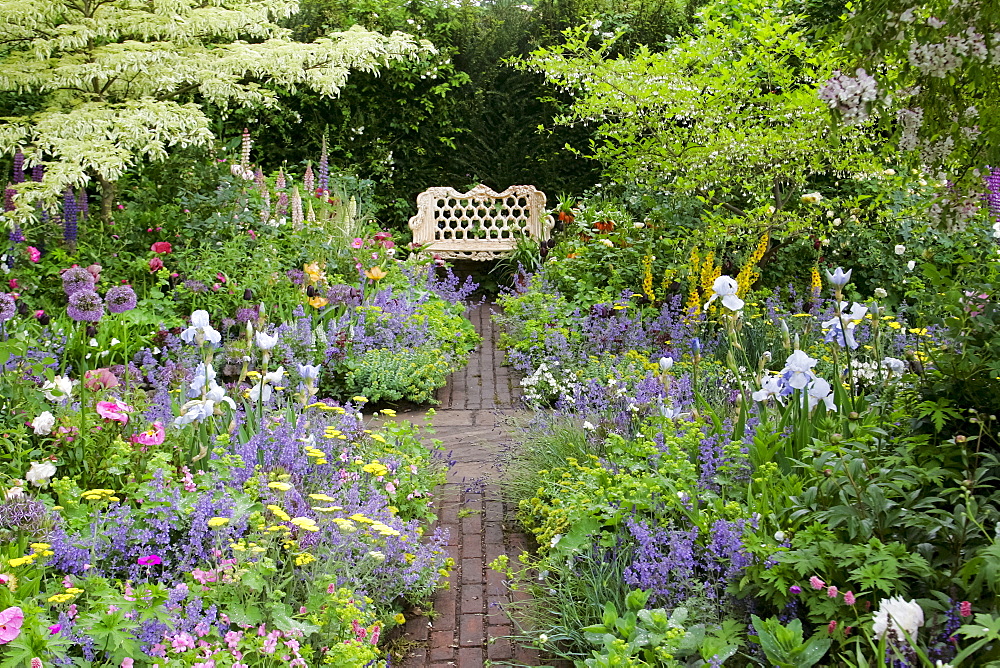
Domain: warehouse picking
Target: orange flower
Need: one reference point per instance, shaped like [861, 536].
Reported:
[318, 302]
[605, 226]
[376, 273]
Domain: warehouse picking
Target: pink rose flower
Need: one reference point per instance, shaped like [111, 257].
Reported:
[155, 264]
[11, 620]
[115, 410]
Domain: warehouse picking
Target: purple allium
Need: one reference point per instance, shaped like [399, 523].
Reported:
[76, 279]
[296, 276]
[245, 315]
[120, 298]
[70, 211]
[85, 305]
[22, 514]
[7, 307]
[195, 286]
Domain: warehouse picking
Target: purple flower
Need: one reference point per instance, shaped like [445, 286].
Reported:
[795, 589]
[18, 167]
[120, 298]
[85, 305]
[70, 211]
[76, 279]
[7, 307]
[149, 560]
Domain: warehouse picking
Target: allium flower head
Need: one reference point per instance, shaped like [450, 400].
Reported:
[120, 298]
[76, 279]
[85, 305]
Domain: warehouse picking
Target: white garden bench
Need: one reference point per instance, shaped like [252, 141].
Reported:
[480, 224]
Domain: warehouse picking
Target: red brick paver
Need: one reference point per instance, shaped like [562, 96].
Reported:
[470, 627]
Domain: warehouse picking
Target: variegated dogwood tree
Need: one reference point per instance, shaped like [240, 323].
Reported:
[120, 81]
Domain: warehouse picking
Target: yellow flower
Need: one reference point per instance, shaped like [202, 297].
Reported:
[378, 438]
[322, 497]
[216, 522]
[281, 486]
[60, 598]
[307, 523]
[320, 461]
[304, 558]
[376, 469]
[376, 273]
[21, 561]
[359, 399]
[314, 271]
[40, 547]
[74, 590]
[347, 526]
[399, 618]
[325, 509]
[895, 325]
[318, 301]
[279, 513]
[389, 412]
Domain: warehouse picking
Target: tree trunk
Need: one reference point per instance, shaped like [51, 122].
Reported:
[107, 197]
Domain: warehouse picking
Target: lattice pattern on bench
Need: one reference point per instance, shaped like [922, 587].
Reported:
[480, 224]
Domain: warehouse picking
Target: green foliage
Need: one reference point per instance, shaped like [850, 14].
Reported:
[784, 646]
[387, 374]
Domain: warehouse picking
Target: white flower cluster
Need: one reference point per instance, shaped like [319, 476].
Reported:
[850, 96]
[910, 121]
[939, 60]
[542, 385]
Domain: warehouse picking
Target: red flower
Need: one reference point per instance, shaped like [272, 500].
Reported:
[162, 247]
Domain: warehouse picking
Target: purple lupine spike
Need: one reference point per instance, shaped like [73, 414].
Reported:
[83, 203]
[8, 198]
[38, 172]
[993, 191]
[324, 171]
[309, 180]
[18, 167]
[70, 211]
[16, 234]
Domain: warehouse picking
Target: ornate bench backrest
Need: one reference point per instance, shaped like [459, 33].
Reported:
[480, 224]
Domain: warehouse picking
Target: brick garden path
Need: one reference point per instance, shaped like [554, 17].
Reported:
[469, 625]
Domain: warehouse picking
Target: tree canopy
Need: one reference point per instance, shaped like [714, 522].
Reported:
[110, 82]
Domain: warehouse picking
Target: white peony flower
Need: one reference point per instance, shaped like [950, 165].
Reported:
[44, 423]
[897, 615]
[39, 473]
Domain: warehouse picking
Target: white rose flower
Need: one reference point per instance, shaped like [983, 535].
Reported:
[881, 293]
[59, 388]
[44, 423]
[911, 264]
[39, 473]
[900, 249]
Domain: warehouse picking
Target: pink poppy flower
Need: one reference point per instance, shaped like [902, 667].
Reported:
[100, 379]
[115, 411]
[152, 436]
[11, 620]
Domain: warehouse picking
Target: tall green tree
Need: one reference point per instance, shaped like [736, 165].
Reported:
[108, 83]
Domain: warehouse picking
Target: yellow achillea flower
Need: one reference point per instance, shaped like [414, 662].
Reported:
[280, 486]
[399, 618]
[304, 558]
[305, 523]
[376, 469]
[322, 497]
[216, 522]
[345, 525]
[60, 598]
[279, 513]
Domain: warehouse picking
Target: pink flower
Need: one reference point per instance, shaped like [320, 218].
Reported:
[831, 591]
[357, 243]
[816, 583]
[149, 560]
[220, 277]
[95, 271]
[965, 609]
[181, 642]
[11, 620]
[389, 487]
[155, 264]
[375, 634]
[152, 436]
[34, 254]
[115, 410]
[204, 664]
[127, 662]
[54, 629]
[832, 626]
[849, 598]
[233, 639]
[203, 577]
[13, 284]
[162, 248]
[36, 663]
[100, 379]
